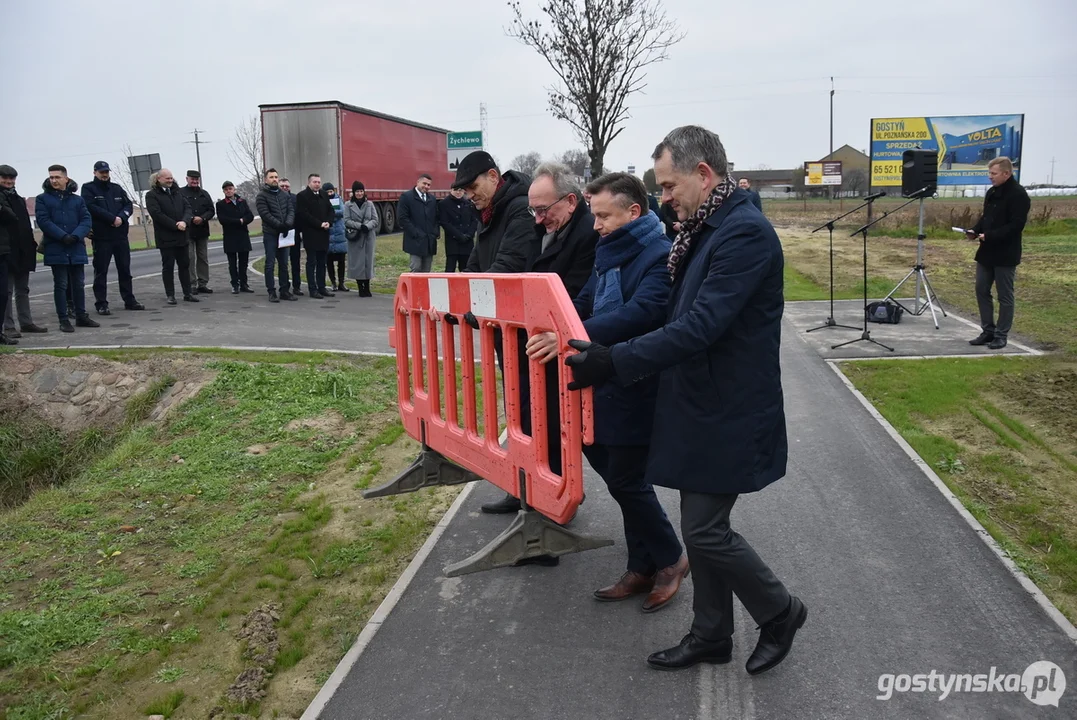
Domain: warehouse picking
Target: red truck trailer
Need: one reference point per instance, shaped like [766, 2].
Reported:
[344, 143]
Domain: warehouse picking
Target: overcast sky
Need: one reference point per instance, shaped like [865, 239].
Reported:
[81, 79]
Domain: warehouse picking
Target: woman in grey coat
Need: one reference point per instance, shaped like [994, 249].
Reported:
[361, 227]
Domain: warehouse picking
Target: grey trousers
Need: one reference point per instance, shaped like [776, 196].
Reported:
[421, 263]
[198, 252]
[1002, 278]
[724, 563]
[19, 295]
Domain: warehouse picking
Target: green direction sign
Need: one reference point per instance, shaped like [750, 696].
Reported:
[465, 140]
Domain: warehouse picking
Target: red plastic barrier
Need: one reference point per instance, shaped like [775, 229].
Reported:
[536, 302]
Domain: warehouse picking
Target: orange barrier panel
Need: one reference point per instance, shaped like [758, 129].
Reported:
[429, 394]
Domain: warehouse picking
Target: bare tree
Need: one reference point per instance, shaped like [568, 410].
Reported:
[576, 160]
[123, 178]
[527, 163]
[599, 52]
[855, 180]
[245, 150]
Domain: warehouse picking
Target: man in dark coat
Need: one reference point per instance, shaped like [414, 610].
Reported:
[278, 219]
[417, 211]
[171, 215]
[563, 243]
[459, 221]
[21, 259]
[65, 223]
[110, 209]
[719, 425]
[746, 186]
[295, 251]
[625, 297]
[315, 214]
[202, 211]
[999, 229]
[234, 215]
[506, 228]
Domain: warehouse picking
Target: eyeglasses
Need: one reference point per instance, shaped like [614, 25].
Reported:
[537, 211]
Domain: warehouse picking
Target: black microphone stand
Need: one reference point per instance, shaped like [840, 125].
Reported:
[830, 321]
[863, 230]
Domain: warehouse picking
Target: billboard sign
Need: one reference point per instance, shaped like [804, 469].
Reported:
[965, 144]
[820, 174]
[462, 144]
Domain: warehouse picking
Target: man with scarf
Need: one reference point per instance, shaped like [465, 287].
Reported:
[624, 298]
[719, 425]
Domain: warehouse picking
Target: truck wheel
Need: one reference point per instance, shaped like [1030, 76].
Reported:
[388, 218]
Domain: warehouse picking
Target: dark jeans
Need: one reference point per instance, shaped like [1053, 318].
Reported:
[237, 268]
[103, 253]
[4, 292]
[553, 402]
[724, 563]
[650, 538]
[176, 258]
[294, 254]
[275, 257]
[339, 259]
[18, 300]
[69, 278]
[1002, 278]
[455, 262]
[316, 269]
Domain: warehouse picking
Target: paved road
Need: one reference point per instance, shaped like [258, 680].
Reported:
[895, 582]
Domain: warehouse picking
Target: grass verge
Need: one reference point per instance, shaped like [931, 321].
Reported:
[1002, 435]
[125, 588]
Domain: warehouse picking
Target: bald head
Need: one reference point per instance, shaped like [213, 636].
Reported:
[164, 176]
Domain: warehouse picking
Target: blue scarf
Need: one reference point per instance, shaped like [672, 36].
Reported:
[616, 250]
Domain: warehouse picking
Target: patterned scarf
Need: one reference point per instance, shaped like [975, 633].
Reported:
[488, 211]
[692, 227]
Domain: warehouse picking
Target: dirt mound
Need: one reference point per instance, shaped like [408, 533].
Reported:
[331, 424]
[259, 629]
[73, 394]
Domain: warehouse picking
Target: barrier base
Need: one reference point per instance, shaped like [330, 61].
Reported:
[531, 534]
[430, 469]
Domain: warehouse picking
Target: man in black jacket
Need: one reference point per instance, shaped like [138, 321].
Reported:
[202, 211]
[278, 218]
[458, 219]
[21, 259]
[1006, 207]
[314, 214]
[110, 209]
[417, 211]
[563, 242]
[506, 228]
[234, 215]
[171, 215]
[746, 185]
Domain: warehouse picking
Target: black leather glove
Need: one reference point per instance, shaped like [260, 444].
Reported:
[69, 239]
[471, 320]
[592, 366]
[451, 319]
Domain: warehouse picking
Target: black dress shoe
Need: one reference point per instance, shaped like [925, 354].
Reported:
[12, 334]
[505, 505]
[315, 296]
[31, 328]
[134, 306]
[692, 651]
[997, 344]
[982, 339]
[245, 289]
[85, 321]
[326, 293]
[65, 325]
[5, 340]
[235, 290]
[205, 290]
[171, 300]
[298, 293]
[190, 298]
[104, 311]
[776, 638]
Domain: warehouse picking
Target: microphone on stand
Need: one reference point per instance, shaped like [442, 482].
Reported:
[875, 196]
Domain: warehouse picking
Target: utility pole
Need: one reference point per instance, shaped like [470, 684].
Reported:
[831, 130]
[196, 142]
[483, 127]
[1052, 172]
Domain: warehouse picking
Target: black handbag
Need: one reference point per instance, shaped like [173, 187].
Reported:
[884, 311]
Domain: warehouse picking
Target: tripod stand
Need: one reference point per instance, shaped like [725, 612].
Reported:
[830, 321]
[930, 299]
[866, 334]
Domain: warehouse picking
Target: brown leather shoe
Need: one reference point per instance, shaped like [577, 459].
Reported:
[631, 583]
[666, 584]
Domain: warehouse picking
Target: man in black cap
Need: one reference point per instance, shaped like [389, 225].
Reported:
[21, 258]
[110, 209]
[202, 211]
[506, 228]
